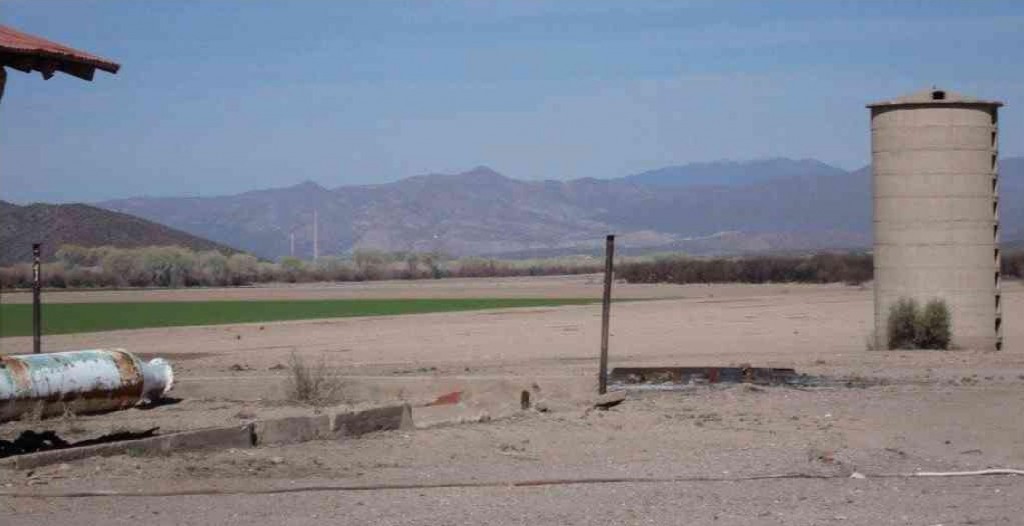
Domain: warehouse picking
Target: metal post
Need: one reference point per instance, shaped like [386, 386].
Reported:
[37, 285]
[606, 307]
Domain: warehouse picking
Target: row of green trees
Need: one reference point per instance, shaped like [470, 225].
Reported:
[821, 268]
[82, 267]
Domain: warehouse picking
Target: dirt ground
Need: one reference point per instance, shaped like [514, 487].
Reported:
[883, 413]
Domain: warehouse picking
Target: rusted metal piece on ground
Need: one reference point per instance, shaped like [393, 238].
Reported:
[524, 400]
[451, 398]
[79, 382]
[609, 400]
[711, 375]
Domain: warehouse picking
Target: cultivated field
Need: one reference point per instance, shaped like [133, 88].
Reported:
[882, 412]
[69, 318]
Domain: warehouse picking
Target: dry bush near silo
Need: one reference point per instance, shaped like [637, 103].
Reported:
[902, 324]
[934, 328]
[1013, 264]
[910, 327]
[310, 384]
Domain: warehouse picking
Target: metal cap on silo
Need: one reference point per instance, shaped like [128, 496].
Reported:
[934, 96]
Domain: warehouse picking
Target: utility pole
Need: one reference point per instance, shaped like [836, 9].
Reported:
[606, 307]
[37, 315]
[291, 239]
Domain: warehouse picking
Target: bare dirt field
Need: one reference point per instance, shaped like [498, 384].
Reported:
[682, 457]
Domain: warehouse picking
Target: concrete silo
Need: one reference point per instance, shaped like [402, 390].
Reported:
[936, 210]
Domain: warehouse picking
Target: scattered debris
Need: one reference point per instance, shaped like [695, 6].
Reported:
[524, 400]
[245, 415]
[451, 398]
[822, 455]
[32, 442]
[276, 367]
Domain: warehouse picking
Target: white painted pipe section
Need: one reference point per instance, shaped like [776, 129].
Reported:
[79, 382]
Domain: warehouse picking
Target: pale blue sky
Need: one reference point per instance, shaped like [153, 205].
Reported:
[225, 96]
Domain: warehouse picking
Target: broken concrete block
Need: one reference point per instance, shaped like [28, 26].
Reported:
[211, 438]
[371, 420]
[608, 400]
[292, 429]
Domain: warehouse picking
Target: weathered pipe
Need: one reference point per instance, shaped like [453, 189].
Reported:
[79, 382]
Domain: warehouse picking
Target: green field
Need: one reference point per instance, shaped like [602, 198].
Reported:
[67, 318]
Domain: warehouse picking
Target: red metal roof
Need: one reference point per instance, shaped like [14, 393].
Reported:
[27, 53]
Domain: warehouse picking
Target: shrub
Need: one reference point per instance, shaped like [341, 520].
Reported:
[292, 268]
[311, 384]
[909, 327]
[902, 324]
[933, 327]
[242, 269]
[1013, 265]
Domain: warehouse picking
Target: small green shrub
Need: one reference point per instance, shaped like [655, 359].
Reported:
[909, 327]
[933, 327]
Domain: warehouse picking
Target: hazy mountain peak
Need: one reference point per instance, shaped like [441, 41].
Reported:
[732, 173]
[477, 175]
[483, 171]
[308, 185]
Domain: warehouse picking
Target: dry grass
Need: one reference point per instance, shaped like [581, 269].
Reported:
[311, 384]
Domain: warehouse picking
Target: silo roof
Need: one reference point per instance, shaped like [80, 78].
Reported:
[934, 96]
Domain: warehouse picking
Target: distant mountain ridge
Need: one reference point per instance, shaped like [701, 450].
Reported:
[756, 206]
[731, 173]
[79, 224]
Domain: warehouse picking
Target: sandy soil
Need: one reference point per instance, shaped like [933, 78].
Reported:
[902, 411]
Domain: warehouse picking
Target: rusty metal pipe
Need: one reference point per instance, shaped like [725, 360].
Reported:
[79, 382]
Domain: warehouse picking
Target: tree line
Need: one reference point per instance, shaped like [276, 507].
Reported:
[176, 267]
[88, 267]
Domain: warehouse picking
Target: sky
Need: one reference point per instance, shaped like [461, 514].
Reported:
[222, 97]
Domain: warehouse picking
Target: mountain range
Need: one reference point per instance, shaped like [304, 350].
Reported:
[706, 208]
[56, 225]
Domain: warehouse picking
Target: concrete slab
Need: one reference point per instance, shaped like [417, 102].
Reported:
[212, 438]
[292, 430]
[371, 420]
